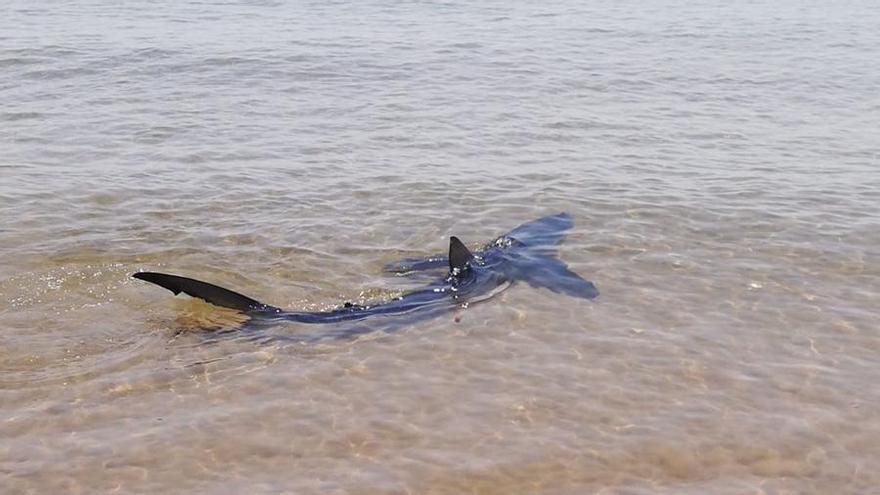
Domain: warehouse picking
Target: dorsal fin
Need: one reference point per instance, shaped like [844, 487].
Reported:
[459, 255]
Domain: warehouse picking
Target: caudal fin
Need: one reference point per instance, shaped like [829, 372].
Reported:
[205, 291]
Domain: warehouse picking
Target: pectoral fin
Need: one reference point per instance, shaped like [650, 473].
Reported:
[407, 265]
[550, 273]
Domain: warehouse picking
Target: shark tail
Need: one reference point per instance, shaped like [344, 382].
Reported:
[208, 292]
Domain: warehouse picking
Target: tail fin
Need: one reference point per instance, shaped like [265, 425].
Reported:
[203, 290]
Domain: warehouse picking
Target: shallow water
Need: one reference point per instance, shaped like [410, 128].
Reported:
[720, 161]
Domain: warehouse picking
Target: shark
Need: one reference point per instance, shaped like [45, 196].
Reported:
[526, 254]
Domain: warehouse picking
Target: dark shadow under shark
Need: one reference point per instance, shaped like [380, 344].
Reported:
[526, 253]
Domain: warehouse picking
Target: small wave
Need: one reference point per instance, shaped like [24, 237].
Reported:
[13, 116]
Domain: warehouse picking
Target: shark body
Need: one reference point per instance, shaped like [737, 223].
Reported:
[525, 254]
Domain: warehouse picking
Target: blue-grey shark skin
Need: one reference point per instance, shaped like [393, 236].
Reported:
[525, 254]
